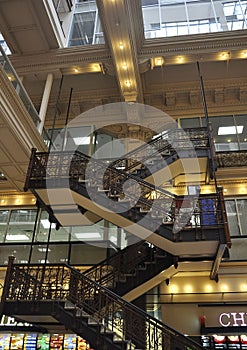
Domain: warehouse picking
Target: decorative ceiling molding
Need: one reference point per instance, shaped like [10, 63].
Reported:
[60, 58]
[195, 44]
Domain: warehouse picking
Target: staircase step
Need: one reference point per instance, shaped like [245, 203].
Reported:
[69, 306]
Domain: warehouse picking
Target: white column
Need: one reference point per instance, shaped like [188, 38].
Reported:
[45, 100]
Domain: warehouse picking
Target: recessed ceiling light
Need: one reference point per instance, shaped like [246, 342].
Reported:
[20, 237]
[82, 140]
[121, 46]
[87, 235]
[230, 130]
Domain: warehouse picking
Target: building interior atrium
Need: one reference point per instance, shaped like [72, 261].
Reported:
[123, 187]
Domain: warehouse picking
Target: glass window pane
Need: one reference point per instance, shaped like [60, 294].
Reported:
[21, 225]
[190, 122]
[62, 234]
[224, 133]
[84, 254]
[38, 254]
[241, 120]
[4, 214]
[242, 214]
[82, 28]
[58, 253]
[232, 217]
[20, 252]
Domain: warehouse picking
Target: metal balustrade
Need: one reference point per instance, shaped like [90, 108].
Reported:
[139, 200]
[61, 284]
[114, 269]
[165, 145]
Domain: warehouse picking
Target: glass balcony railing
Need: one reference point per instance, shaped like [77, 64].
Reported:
[21, 92]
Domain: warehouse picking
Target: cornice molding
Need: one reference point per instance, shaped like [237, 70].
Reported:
[197, 43]
[61, 58]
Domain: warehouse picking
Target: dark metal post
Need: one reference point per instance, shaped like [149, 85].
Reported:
[211, 143]
[29, 169]
[67, 118]
[6, 284]
[224, 217]
[55, 114]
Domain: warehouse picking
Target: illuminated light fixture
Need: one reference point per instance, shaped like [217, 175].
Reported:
[2, 201]
[173, 288]
[180, 59]
[43, 249]
[124, 66]
[121, 46]
[18, 201]
[208, 288]
[82, 140]
[128, 83]
[46, 223]
[76, 70]
[243, 287]
[224, 288]
[19, 237]
[87, 235]
[96, 67]
[157, 61]
[33, 199]
[188, 288]
[245, 53]
[225, 55]
[245, 140]
[243, 189]
[10, 77]
[225, 189]
[230, 130]
[229, 140]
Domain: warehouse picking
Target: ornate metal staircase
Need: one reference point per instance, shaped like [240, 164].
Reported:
[87, 308]
[64, 180]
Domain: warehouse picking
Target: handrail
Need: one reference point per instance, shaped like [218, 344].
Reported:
[27, 283]
[110, 270]
[166, 144]
[147, 197]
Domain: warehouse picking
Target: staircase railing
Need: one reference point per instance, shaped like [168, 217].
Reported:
[110, 271]
[167, 144]
[80, 171]
[63, 283]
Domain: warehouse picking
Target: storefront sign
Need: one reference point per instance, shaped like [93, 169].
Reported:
[11, 321]
[233, 319]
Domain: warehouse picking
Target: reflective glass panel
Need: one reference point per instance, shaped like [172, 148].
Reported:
[4, 214]
[21, 225]
[232, 217]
